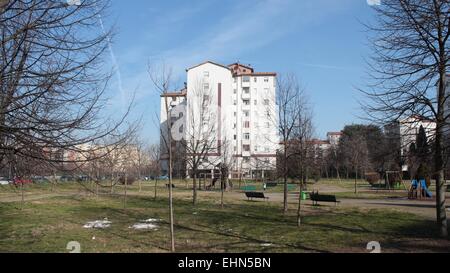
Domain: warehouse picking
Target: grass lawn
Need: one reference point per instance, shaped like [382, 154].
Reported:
[48, 224]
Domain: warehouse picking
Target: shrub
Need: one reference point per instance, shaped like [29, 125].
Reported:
[372, 178]
[130, 180]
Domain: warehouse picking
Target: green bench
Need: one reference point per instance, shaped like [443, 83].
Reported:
[248, 188]
[271, 184]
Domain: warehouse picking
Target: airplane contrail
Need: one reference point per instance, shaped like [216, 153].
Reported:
[113, 59]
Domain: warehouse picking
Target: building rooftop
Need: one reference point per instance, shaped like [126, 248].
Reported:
[237, 69]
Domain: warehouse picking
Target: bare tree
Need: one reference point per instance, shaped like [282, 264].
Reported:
[155, 164]
[200, 143]
[162, 80]
[410, 58]
[354, 150]
[52, 83]
[288, 102]
[302, 144]
[226, 163]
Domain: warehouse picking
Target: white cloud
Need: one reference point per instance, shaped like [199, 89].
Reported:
[374, 2]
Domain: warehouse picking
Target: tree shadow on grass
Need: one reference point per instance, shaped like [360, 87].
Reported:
[245, 238]
[419, 237]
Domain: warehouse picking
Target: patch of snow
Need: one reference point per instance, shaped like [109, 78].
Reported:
[194, 213]
[151, 220]
[144, 226]
[266, 244]
[98, 224]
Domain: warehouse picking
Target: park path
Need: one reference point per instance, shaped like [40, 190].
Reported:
[35, 197]
[424, 208]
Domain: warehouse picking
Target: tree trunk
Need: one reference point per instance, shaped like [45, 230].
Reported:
[23, 196]
[172, 232]
[441, 215]
[299, 209]
[125, 197]
[194, 188]
[285, 178]
[222, 189]
[156, 184]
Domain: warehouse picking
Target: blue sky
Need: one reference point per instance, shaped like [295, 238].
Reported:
[321, 41]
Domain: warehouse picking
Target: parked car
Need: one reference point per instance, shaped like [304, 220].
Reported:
[4, 181]
[39, 179]
[67, 178]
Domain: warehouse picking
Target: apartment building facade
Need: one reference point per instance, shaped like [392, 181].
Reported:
[239, 107]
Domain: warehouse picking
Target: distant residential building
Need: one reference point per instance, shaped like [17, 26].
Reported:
[334, 137]
[243, 102]
[406, 130]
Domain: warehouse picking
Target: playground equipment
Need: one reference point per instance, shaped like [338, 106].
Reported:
[419, 190]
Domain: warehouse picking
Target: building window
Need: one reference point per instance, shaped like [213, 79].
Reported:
[266, 79]
[247, 136]
[246, 79]
[247, 124]
[255, 79]
[246, 148]
[234, 80]
[206, 86]
[234, 91]
[256, 102]
[246, 113]
[246, 102]
[234, 137]
[247, 90]
[267, 124]
[235, 102]
[206, 74]
[266, 102]
[256, 148]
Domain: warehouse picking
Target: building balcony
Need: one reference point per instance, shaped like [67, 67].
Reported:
[246, 96]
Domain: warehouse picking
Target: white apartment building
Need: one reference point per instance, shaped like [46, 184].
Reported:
[407, 129]
[334, 137]
[241, 109]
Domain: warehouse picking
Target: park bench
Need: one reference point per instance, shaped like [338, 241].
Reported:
[167, 186]
[251, 194]
[316, 197]
[271, 184]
